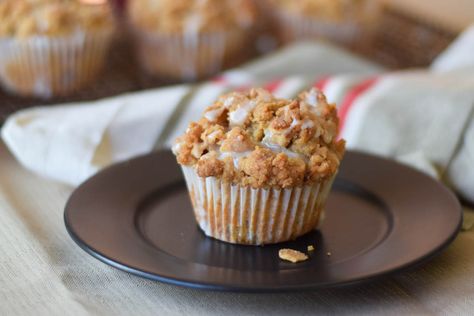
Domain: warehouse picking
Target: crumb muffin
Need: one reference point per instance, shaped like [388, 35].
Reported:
[337, 20]
[259, 168]
[52, 47]
[191, 39]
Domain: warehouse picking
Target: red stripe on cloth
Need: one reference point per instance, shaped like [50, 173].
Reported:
[219, 80]
[272, 86]
[322, 83]
[350, 97]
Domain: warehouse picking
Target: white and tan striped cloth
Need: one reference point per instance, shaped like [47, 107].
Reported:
[420, 117]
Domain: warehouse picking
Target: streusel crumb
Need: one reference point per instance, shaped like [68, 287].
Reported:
[292, 255]
[253, 138]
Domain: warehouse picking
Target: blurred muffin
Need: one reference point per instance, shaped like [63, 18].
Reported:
[340, 21]
[52, 47]
[191, 39]
[259, 169]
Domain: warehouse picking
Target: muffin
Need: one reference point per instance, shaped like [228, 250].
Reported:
[52, 47]
[259, 169]
[340, 21]
[191, 39]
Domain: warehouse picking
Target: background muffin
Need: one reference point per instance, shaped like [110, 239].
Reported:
[191, 39]
[258, 168]
[341, 21]
[52, 47]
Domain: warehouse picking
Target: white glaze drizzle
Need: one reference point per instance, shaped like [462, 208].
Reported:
[228, 101]
[266, 141]
[312, 97]
[176, 148]
[212, 115]
[234, 155]
[293, 124]
[213, 134]
[240, 115]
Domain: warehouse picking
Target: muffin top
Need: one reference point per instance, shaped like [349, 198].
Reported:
[255, 139]
[26, 18]
[328, 9]
[190, 16]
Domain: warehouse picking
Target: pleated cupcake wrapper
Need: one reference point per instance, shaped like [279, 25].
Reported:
[45, 67]
[245, 215]
[188, 56]
[295, 27]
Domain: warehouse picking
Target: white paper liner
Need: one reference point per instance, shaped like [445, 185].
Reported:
[245, 215]
[294, 27]
[191, 55]
[45, 66]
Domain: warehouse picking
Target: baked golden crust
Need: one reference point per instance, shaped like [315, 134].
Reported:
[178, 16]
[254, 139]
[26, 18]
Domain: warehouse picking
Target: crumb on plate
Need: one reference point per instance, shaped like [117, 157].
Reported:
[310, 248]
[292, 255]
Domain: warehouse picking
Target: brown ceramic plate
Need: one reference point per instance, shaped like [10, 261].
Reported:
[382, 218]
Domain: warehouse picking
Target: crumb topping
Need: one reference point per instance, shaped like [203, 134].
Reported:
[190, 16]
[292, 255]
[253, 138]
[26, 18]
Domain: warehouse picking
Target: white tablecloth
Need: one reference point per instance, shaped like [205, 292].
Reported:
[42, 272]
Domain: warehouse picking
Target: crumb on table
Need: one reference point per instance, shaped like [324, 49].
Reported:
[310, 248]
[292, 255]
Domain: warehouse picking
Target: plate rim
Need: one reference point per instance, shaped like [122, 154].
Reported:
[214, 286]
